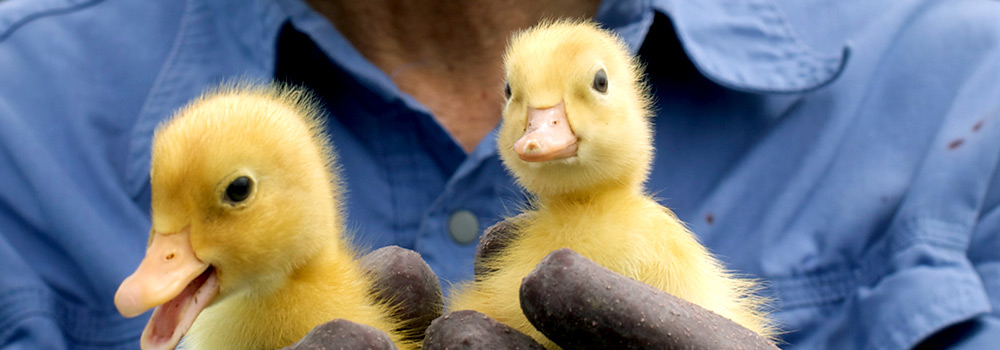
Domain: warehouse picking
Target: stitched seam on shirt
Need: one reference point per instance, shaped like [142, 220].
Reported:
[834, 284]
[136, 171]
[40, 302]
[921, 230]
[946, 312]
[769, 12]
[7, 322]
[6, 328]
[41, 12]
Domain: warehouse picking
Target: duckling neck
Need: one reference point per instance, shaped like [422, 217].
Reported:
[559, 220]
[329, 285]
[592, 195]
[325, 266]
[330, 268]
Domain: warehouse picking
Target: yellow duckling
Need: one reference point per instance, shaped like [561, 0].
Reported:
[576, 135]
[247, 247]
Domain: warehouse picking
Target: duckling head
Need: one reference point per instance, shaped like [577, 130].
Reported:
[575, 119]
[242, 194]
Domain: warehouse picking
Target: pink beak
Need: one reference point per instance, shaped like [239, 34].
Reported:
[172, 279]
[547, 136]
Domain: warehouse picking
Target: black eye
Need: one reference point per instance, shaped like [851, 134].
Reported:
[506, 90]
[601, 81]
[239, 189]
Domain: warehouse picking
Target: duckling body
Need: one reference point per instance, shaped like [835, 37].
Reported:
[629, 234]
[576, 135]
[247, 248]
[331, 288]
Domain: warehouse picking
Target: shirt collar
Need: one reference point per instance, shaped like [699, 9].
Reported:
[749, 46]
[342, 53]
[631, 19]
[740, 45]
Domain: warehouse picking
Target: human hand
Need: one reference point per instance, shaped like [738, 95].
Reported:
[577, 303]
[403, 279]
[400, 277]
[343, 334]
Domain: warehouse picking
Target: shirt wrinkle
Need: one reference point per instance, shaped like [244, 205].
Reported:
[79, 323]
[18, 13]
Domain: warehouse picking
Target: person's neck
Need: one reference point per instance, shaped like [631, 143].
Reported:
[447, 54]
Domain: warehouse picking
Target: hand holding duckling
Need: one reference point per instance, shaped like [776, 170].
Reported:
[402, 278]
[578, 304]
[576, 135]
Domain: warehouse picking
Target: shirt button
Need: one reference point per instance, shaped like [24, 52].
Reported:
[463, 226]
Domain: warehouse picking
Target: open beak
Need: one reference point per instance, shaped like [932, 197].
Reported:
[172, 279]
[547, 135]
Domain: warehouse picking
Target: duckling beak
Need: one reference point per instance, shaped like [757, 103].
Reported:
[547, 135]
[172, 279]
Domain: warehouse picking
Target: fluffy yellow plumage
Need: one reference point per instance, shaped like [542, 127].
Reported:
[277, 248]
[576, 135]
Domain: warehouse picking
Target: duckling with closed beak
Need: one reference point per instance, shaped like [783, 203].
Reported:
[576, 135]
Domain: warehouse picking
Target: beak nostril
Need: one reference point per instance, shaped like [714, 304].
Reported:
[555, 122]
[170, 256]
[532, 146]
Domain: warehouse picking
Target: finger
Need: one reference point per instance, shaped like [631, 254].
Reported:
[577, 303]
[343, 334]
[493, 240]
[403, 279]
[469, 329]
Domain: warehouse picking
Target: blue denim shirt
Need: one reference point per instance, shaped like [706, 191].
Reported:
[845, 152]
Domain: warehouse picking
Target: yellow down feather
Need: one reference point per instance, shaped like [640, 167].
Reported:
[595, 202]
[283, 263]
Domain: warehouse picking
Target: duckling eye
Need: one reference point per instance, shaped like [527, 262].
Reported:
[601, 81]
[506, 90]
[239, 189]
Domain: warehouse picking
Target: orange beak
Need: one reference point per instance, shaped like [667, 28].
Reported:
[172, 279]
[547, 135]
